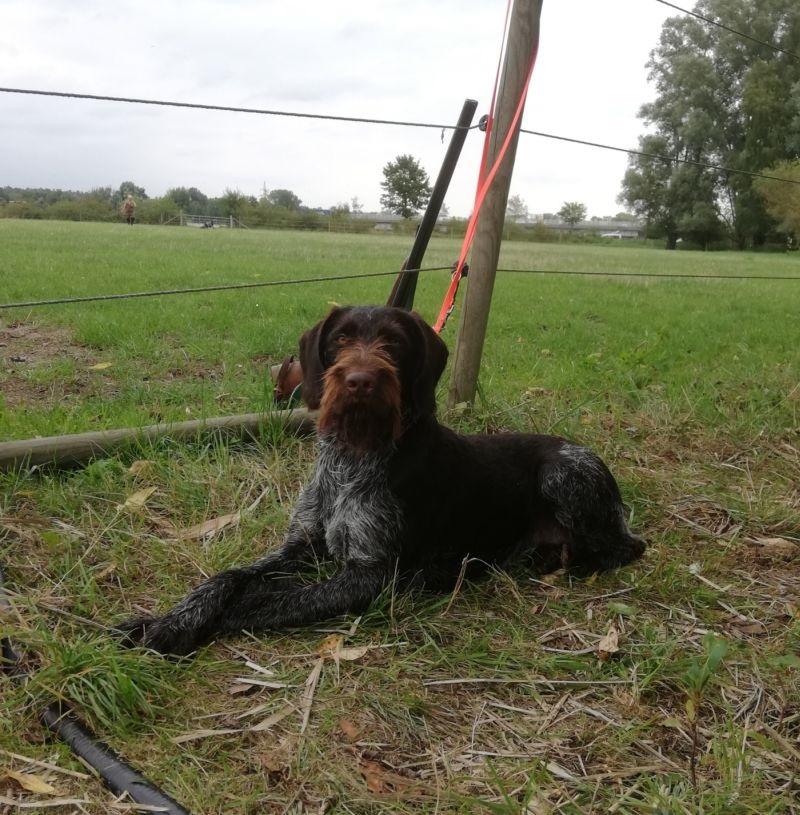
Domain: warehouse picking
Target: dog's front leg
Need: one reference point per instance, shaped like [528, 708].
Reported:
[351, 589]
[243, 599]
[203, 612]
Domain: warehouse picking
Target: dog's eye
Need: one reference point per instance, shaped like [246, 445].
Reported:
[340, 339]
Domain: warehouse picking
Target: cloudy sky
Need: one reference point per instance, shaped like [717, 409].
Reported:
[395, 59]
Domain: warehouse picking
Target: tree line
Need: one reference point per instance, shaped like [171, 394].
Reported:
[406, 190]
[103, 204]
[730, 101]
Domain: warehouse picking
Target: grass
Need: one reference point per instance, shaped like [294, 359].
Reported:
[688, 388]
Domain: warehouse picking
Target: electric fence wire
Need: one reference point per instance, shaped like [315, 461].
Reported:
[393, 122]
[231, 109]
[365, 275]
[203, 289]
[706, 165]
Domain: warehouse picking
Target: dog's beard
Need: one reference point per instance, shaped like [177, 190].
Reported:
[363, 425]
[363, 422]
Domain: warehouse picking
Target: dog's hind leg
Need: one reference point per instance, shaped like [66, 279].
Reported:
[586, 502]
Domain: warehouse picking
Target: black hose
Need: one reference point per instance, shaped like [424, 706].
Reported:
[118, 776]
[9, 658]
[57, 717]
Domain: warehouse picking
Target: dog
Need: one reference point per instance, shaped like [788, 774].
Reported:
[288, 377]
[395, 496]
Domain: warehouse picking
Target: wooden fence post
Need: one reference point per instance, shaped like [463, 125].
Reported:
[523, 40]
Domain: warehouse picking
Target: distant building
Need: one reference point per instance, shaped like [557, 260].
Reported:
[605, 227]
[382, 221]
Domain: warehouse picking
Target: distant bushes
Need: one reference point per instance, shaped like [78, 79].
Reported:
[262, 215]
[278, 209]
[88, 208]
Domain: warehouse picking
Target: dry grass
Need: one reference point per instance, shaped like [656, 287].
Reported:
[496, 699]
[493, 700]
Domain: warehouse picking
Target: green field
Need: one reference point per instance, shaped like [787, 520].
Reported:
[688, 388]
[618, 344]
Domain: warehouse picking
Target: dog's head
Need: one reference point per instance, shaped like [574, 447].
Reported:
[371, 371]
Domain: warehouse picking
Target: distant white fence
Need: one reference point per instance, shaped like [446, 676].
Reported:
[211, 221]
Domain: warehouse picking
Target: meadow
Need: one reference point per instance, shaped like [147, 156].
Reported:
[499, 699]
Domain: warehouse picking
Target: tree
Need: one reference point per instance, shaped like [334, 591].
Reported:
[782, 200]
[127, 188]
[101, 194]
[233, 202]
[699, 219]
[516, 209]
[356, 207]
[284, 198]
[188, 199]
[646, 190]
[406, 187]
[157, 210]
[340, 211]
[572, 213]
[720, 99]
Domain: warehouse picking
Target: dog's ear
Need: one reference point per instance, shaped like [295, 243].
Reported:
[312, 358]
[433, 355]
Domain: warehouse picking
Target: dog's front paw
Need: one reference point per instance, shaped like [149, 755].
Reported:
[161, 634]
[131, 632]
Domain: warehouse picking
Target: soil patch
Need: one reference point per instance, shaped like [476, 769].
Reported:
[26, 347]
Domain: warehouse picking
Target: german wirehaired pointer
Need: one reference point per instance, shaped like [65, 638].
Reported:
[396, 496]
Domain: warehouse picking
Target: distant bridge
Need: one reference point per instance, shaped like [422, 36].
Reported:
[609, 227]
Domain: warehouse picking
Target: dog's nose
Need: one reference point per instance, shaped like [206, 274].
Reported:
[359, 383]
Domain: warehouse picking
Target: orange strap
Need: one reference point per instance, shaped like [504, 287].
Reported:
[485, 180]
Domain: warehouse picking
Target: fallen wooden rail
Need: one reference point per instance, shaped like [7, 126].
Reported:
[63, 451]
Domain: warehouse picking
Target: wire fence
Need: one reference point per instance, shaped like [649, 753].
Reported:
[401, 123]
[204, 289]
[669, 159]
[392, 122]
[231, 109]
[57, 301]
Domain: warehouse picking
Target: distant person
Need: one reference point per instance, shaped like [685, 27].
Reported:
[129, 210]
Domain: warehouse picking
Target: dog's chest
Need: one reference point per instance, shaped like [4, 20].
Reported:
[357, 509]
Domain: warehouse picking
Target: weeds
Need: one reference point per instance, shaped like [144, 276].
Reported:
[696, 680]
[695, 409]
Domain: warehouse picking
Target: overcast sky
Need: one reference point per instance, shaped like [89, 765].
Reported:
[403, 59]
